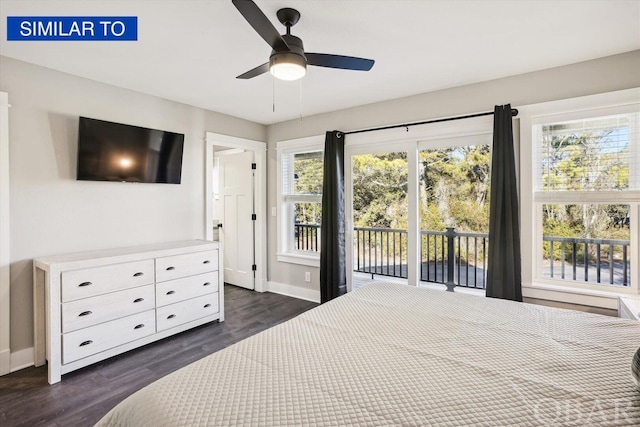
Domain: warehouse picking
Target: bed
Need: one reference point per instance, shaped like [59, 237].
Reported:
[390, 354]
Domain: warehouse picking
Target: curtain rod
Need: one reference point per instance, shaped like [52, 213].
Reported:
[514, 112]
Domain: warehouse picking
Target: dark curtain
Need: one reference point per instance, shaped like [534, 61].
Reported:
[503, 270]
[333, 273]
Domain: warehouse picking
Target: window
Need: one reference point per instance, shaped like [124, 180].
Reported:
[300, 203]
[586, 196]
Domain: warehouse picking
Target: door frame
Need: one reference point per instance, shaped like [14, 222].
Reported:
[413, 216]
[260, 158]
[5, 232]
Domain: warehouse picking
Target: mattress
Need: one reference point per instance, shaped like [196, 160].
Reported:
[390, 354]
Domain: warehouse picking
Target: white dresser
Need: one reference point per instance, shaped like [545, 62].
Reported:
[91, 306]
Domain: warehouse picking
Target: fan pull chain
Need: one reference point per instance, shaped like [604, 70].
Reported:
[300, 99]
[273, 93]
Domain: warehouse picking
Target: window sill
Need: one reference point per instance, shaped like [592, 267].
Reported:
[576, 295]
[301, 259]
[555, 292]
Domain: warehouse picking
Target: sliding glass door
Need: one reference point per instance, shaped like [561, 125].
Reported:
[417, 205]
[454, 210]
[380, 216]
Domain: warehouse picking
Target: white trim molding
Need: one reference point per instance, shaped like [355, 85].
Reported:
[563, 293]
[286, 251]
[306, 294]
[22, 359]
[299, 258]
[260, 158]
[5, 232]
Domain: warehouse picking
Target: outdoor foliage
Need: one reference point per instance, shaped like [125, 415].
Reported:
[308, 171]
[455, 187]
[380, 190]
[454, 191]
[582, 158]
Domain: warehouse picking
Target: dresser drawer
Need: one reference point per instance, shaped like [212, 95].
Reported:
[174, 267]
[186, 311]
[77, 284]
[188, 287]
[94, 339]
[91, 311]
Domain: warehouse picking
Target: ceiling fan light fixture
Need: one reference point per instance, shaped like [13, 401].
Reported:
[288, 60]
[287, 66]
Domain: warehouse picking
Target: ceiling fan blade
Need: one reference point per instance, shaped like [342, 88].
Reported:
[260, 69]
[339, 61]
[254, 16]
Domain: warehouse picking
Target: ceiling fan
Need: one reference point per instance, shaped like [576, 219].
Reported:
[288, 60]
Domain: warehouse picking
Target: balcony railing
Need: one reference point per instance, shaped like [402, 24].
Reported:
[453, 258]
[381, 251]
[306, 237]
[607, 259]
[460, 259]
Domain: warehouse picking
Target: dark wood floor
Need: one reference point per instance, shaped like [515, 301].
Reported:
[84, 396]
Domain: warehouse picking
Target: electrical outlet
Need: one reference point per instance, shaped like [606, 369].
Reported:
[307, 276]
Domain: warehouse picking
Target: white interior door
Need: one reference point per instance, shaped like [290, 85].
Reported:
[236, 208]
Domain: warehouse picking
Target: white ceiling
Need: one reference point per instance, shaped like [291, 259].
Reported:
[191, 50]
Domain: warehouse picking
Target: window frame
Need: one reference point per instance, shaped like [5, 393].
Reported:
[411, 140]
[532, 197]
[286, 251]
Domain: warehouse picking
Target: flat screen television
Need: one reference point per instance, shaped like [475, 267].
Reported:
[110, 151]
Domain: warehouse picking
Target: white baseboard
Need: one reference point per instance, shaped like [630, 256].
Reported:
[22, 359]
[294, 291]
[5, 362]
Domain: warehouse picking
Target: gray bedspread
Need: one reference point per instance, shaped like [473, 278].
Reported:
[398, 355]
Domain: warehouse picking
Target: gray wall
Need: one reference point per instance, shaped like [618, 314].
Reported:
[52, 213]
[586, 78]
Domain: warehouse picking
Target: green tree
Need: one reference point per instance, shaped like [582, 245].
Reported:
[308, 172]
[454, 188]
[583, 160]
[380, 190]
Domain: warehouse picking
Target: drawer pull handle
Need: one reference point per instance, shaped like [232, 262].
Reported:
[170, 268]
[141, 325]
[206, 261]
[83, 284]
[171, 292]
[206, 283]
[138, 300]
[171, 316]
[84, 313]
[207, 305]
[138, 274]
[82, 344]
